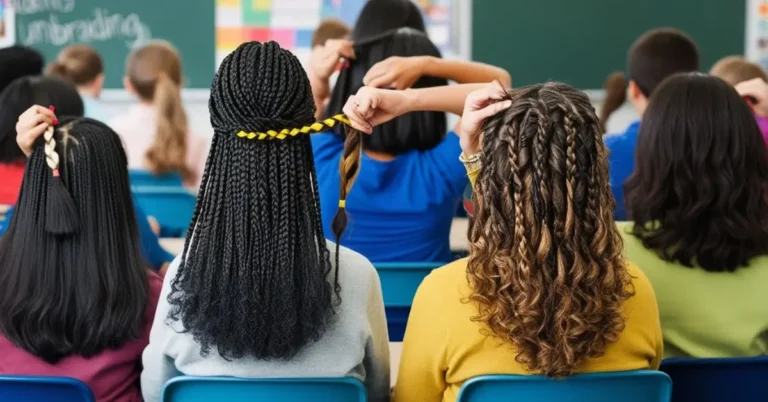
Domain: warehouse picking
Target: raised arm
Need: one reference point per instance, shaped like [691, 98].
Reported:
[402, 72]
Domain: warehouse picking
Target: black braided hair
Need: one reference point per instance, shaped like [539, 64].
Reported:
[253, 278]
[86, 291]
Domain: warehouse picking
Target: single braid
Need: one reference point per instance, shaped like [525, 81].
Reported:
[61, 217]
[349, 167]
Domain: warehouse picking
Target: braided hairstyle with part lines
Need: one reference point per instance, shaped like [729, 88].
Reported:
[545, 263]
[255, 278]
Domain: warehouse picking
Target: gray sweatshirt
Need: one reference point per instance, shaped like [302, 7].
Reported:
[356, 345]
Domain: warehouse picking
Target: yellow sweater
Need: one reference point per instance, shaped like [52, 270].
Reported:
[443, 348]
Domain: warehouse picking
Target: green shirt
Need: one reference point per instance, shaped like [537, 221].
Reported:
[706, 314]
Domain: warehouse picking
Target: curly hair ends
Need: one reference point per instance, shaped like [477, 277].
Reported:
[255, 276]
[545, 262]
[698, 192]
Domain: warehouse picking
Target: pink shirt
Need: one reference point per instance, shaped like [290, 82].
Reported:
[112, 375]
[137, 131]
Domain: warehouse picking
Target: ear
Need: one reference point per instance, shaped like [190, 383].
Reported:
[128, 86]
[633, 92]
[98, 83]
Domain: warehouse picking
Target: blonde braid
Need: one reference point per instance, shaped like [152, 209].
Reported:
[51, 156]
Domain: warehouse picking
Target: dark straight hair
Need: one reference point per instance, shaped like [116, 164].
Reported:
[412, 131]
[22, 94]
[86, 290]
[698, 192]
[380, 16]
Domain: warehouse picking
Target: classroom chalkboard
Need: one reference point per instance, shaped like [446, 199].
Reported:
[114, 27]
[581, 41]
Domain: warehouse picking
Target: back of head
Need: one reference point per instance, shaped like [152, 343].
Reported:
[17, 62]
[659, 53]
[154, 72]
[545, 261]
[615, 95]
[80, 64]
[329, 29]
[254, 277]
[412, 131]
[736, 69]
[84, 290]
[22, 94]
[697, 194]
[380, 16]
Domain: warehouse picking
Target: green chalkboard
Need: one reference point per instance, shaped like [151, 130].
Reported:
[581, 41]
[114, 27]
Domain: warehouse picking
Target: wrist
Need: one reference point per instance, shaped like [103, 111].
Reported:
[427, 65]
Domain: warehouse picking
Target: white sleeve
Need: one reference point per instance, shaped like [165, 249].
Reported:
[376, 361]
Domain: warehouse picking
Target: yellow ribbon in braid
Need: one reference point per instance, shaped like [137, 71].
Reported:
[313, 128]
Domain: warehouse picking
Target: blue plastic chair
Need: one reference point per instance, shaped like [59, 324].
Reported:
[166, 199]
[206, 389]
[54, 389]
[399, 281]
[624, 386]
[718, 380]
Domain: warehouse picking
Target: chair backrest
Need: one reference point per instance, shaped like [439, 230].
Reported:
[204, 389]
[718, 380]
[624, 386]
[145, 178]
[33, 388]
[399, 281]
[166, 199]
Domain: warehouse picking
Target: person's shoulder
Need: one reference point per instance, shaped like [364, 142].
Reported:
[622, 139]
[441, 281]
[351, 263]
[641, 285]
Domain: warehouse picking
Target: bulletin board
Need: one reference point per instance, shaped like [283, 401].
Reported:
[292, 22]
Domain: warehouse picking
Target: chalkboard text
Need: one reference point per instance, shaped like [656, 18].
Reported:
[103, 26]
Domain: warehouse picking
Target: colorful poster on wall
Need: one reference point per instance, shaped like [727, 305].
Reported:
[7, 24]
[757, 32]
[292, 22]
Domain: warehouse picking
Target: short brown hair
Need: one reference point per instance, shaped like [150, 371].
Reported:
[80, 64]
[736, 69]
[329, 29]
[659, 53]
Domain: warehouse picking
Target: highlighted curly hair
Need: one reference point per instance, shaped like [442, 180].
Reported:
[545, 262]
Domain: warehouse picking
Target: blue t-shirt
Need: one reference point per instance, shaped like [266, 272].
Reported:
[155, 255]
[621, 164]
[400, 210]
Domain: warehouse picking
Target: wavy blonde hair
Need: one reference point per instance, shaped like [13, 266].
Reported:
[545, 263]
[154, 71]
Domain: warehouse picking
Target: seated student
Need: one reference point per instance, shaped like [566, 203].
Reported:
[700, 231]
[736, 69]
[545, 289]
[18, 99]
[259, 291]
[154, 131]
[76, 300]
[654, 56]
[410, 180]
[14, 100]
[82, 65]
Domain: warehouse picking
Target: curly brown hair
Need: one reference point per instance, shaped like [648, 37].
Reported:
[545, 264]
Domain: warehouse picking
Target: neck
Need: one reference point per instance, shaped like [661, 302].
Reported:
[380, 156]
[88, 91]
